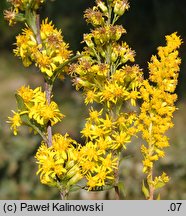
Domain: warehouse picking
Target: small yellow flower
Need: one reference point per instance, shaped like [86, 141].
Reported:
[109, 163]
[89, 152]
[94, 115]
[15, 122]
[42, 113]
[26, 93]
[92, 182]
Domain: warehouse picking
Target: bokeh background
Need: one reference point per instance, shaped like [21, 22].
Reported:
[147, 22]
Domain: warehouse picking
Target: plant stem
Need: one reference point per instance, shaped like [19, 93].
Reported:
[150, 176]
[116, 177]
[64, 194]
[151, 192]
[117, 194]
[48, 90]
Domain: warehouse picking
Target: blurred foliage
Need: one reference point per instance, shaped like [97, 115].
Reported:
[146, 23]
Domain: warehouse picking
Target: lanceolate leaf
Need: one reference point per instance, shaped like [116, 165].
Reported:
[145, 191]
[20, 103]
[24, 117]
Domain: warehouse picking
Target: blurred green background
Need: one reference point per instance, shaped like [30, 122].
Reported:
[147, 22]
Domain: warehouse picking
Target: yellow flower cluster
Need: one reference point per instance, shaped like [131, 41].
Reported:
[34, 109]
[103, 137]
[96, 167]
[25, 4]
[158, 104]
[58, 164]
[16, 13]
[49, 55]
[106, 79]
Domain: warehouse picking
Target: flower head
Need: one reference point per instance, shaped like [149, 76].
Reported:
[15, 122]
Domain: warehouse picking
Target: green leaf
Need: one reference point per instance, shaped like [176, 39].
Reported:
[22, 107]
[58, 70]
[158, 197]
[121, 187]
[25, 119]
[145, 191]
[20, 103]
[74, 188]
[31, 20]
[100, 188]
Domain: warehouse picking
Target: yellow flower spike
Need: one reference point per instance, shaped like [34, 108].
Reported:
[93, 16]
[158, 107]
[90, 97]
[104, 143]
[173, 41]
[107, 124]
[154, 158]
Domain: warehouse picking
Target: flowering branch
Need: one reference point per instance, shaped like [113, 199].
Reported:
[106, 79]
[43, 45]
[157, 109]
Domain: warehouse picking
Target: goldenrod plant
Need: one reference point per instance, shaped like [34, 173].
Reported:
[112, 85]
[157, 110]
[108, 79]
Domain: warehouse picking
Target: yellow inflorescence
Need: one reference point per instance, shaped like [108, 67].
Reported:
[59, 164]
[49, 55]
[103, 74]
[16, 13]
[34, 106]
[158, 105]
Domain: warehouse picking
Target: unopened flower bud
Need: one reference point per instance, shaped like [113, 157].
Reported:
[69, 164]
[77, 177]
[72, 171]
[120, 7]
[102, 6]
[88, 40]
[114, 57]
